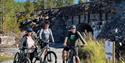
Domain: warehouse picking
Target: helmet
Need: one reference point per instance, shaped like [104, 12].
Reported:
[29, 30]
[72, 27]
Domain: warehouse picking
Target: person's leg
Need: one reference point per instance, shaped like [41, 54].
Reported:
[65, 53]
[36, 54]
[31, 56]
[45, 51]
[77, 57]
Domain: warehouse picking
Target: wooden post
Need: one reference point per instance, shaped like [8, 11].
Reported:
[110, 52]
[113, 56]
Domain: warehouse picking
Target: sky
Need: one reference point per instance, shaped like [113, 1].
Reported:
[75, 1]
[20, 0]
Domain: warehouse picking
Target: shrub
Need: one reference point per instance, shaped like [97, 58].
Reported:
[93, 52]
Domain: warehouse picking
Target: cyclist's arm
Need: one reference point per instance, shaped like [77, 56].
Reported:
[51, 36]
[22, 42]
[81, 38]
[65, 41]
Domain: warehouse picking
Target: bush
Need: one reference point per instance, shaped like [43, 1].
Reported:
[93, 52]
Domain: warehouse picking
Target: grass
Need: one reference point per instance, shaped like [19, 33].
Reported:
[5, 58]
[93, 52]
[96, 52]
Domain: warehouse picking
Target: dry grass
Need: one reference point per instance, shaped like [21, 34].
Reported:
[94, 51]
[5, 58]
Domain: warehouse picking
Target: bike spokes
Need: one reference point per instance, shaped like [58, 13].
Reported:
[37, 60]
[50, 57]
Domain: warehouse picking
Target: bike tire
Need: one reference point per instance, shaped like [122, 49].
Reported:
[16, 58]
[38, 59]
[50, 53]
[72, 58]
[26, 60]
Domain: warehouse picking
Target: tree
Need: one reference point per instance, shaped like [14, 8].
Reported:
[1, 14]
[9, 16]
[29, 7]
[10, 8]
[39, 4]
[46, 4]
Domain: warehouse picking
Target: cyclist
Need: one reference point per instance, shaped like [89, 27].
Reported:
[45, 34]
[28, 42]
[70, 42]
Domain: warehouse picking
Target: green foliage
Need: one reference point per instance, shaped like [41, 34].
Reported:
[29, 8]
[9, 19]
[95, 50]
[19, 7]
[10, 8]
[53, 3]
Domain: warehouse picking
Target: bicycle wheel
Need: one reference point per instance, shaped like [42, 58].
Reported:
[70, 60]
[73, 60]
[37, 60]
[16, 58]
[50, 57]
[26, 60]
[71, 57]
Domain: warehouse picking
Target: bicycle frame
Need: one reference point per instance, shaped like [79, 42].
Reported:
[73, 51]
[72, 54]
[45, 49]
[23, 54]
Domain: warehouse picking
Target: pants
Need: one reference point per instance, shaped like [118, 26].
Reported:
[75, 49]
[33, 54]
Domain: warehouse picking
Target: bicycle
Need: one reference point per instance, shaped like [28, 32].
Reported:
[22, 56]
[72, 57]
[36, 58]
[49, 56]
